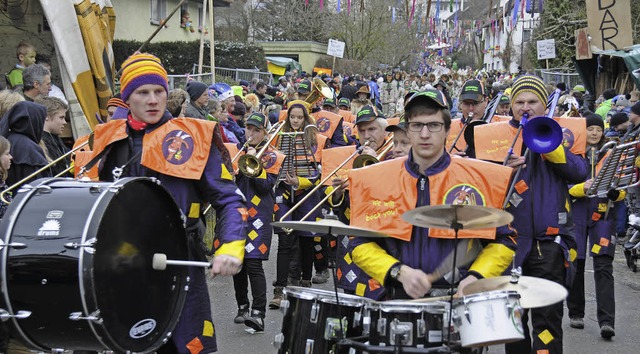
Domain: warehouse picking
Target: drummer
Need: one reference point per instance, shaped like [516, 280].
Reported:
[403, 262]
[193, 171]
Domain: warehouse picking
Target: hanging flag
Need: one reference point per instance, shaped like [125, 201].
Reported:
[438, 10]
[393, 15]
[338, 6]
[321, 5]
[514, 13]
[534, 6]
[306, 2]
[83, 32]
[348, 7]
[413, 10]
[450, 5]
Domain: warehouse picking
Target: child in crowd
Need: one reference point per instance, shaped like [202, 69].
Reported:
[54, 125]
[26, 54]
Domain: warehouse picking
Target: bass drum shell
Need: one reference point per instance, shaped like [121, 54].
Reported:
[87, 250]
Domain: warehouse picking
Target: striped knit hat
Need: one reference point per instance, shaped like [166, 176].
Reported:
[141, 69]
[529, 83]
[116, 101]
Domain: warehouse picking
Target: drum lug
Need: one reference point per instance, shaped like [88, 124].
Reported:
[315, 309]
[22, 314]
[308, 348]
[284, 306]
[14, 245]
[457, 321]
[357, 316]
[278, 341]
[43, 189]
[421, 325]
[94, 316]
[332, 328]
[366, 325]
[75, 246]
[382, 326]
[467, 315]
[401, 330]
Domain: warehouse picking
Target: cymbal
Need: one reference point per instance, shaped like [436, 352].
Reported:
[449, 216]
[534, 292]
[328, 226]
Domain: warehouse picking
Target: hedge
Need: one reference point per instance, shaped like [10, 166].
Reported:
[178, 57]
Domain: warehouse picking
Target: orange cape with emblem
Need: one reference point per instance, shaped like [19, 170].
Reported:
[327, 122]
[381, 193]
[180, 147]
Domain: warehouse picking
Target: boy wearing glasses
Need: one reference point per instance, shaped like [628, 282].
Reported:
[381, 193]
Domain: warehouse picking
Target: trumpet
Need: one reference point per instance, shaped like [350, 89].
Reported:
[366, 160]
[42, 169]
[250, 165]
[320, 185]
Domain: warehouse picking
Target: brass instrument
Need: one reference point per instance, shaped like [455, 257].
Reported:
[366, 160]
[319, 90]
[321, 184]
[244, 146]
[22, 181]
[462, 130]
[250, 165]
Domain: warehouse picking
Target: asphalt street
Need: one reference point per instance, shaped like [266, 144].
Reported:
[235, 339]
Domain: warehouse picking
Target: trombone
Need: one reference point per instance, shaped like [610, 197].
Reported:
[42, 169]
[276, 127]
[250, 165]
[321, 184]
[366, 160]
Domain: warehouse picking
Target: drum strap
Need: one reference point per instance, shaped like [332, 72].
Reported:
[100, 155]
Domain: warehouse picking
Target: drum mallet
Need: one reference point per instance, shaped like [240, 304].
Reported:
[160, 262]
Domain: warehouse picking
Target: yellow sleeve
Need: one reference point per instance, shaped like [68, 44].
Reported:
[328, 191]
[493, 260]
[557, 155]
[577, 191]
[374, 260]
[263, 174]
[234, 249]
[623, 194]
[304, 183]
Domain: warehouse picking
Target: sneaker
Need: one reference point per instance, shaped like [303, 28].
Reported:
[576, 323]
[278, 296]
[255, 320]
[607, 331]
[321, 277]
[242, 311]
[305, 283]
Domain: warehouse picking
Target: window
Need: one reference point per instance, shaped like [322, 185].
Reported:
[158, 11]
[526, 36]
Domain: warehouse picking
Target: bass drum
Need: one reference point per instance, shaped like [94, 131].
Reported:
[76, 265]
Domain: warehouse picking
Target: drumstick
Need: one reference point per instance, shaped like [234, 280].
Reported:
[467, 250]
[435, 298]
[160, 262]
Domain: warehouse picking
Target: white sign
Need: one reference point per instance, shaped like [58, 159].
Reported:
[335, 48]
[546, 49]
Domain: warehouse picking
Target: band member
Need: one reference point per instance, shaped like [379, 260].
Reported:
[151, 143]
[472, 105]
[303, 152]
[545, 242]
[504, 106]
[401, 142]
[595, 227]
[304, 89]
[260, 201]
[428, 176]
[371, 127]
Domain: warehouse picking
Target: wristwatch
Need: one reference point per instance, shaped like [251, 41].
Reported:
[394, 272]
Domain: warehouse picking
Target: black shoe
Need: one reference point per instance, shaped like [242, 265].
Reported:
[242, 311]
[576, 323]
[255, 320]
[607, 331]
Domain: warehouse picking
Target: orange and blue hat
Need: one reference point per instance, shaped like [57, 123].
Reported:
[141, 69]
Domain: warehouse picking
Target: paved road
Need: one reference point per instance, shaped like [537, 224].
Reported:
[233, 339]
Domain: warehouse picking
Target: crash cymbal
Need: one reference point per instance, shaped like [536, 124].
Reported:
[460, 217]
[328, 226]
[534, 292]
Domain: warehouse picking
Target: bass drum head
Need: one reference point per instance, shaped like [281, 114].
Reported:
[139, 306]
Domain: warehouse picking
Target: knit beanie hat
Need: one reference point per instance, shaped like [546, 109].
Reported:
[195, 89]
[116, 101]
[529, 83]
[594, 119]
[141, 69]
[618, 119]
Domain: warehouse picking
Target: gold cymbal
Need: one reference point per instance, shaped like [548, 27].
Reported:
[328, 226]
[534, 292]
[449, 216]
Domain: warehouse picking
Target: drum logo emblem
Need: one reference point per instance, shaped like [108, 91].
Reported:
[323, 124]
[55, 214]
[142, 328]
[567, 138]
[177, 147]
[49, 228]
[464, 194]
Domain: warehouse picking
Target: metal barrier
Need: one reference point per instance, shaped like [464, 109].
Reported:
[228, 73]
[559, 75]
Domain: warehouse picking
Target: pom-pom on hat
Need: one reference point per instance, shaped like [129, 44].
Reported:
[141, 69]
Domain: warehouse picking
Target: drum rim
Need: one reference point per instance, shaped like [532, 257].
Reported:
[488, 295]
[435, 308]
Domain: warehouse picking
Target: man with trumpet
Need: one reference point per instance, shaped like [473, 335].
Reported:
[371, 127]
[542, 216]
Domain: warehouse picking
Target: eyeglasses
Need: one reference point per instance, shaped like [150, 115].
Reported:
[433, 127]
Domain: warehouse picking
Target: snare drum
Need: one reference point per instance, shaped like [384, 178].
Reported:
[488, 318]
[76, 265]
[418, 325]
[311, 322]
